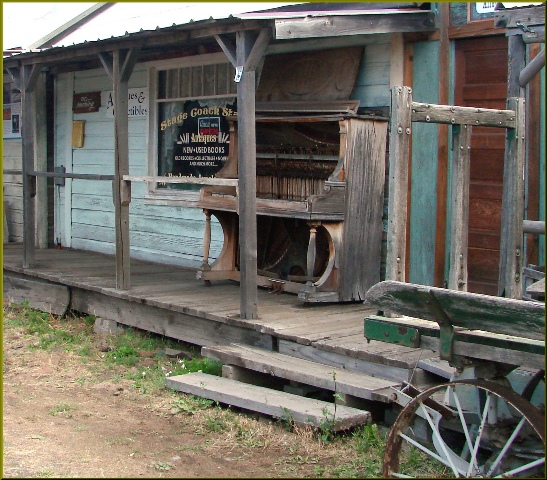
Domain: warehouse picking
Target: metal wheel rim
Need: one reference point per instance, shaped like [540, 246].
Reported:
[529, 414]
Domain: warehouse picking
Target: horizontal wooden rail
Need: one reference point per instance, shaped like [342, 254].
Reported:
[487, 117]
[230, 182]
[79, 176]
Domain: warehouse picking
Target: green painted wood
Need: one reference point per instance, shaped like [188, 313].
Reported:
[468, 310]
[423, 194]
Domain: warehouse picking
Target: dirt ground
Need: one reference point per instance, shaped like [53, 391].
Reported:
[62, 418]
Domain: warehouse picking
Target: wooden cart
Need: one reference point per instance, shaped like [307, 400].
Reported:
[476, 424]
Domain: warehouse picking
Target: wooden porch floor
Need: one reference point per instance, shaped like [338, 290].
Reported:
[170, 300]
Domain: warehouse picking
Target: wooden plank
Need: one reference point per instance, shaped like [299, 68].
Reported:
[304, 371]
[468, 310]
[371, 364]
[449, 114]
[271, 402]
[325, 26]
[478, 344]
[48, 297]
[365, 177]
[512, 215]
[459, 200]
[399, 140]
[177, 325]
[184, 180]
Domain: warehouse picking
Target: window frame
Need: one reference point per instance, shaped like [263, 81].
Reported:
[153, 194]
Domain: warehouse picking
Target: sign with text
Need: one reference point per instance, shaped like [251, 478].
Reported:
[137, 102]
[193, 137]
[86, 102]
[12, 120]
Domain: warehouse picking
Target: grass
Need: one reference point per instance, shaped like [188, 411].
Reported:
[135, 357]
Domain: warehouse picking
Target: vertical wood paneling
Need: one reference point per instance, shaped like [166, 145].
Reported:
[362, 240]
[170, 234]
[423, 196]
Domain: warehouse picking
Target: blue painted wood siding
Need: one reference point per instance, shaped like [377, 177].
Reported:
[167, 234]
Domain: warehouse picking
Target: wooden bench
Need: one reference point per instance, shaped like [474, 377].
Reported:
[458, 324]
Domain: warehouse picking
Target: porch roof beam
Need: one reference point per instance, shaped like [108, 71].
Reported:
[338, 25]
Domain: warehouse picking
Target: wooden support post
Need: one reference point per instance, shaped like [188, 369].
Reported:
[249, 51]
[400, 132]
[122, 67]
[512, 214]
[459, 222]
[29, 75]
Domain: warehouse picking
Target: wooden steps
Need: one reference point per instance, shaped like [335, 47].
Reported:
[270, 402]
[307, 372]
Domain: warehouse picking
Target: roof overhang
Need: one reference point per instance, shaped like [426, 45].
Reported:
[371, 22]
[199, 37]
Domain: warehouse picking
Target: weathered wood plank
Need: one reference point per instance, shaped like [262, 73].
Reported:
[459, 199]
[468, 310]
[365, 174]
[371, 365]
[449, 114]
[271, 402]
[399, 141]
[48, 297]
[177, 325]
[478, 344]
[303, 371]
[184, 180]
[339, 25]
[512, 215]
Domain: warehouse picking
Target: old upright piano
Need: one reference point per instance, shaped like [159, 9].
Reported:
[320, 199]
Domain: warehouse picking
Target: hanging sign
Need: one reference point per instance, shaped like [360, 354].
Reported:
[86, 102]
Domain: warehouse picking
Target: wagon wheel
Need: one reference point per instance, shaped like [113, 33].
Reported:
[473, 428]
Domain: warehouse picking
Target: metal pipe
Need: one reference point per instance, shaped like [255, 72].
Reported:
[532, 226]
[532, 69]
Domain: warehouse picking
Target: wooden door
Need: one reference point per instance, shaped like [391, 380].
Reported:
[481, 81]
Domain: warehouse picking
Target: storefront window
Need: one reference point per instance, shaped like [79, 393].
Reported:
[192, 108]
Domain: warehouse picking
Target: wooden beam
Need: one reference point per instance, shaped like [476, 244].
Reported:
[487, 117]
[106, 61]
[246, 98]
[459, 199]
[526, 17]
[400, 132]
[442, 148]
[309, 27]
[228, 47]
[129, 63]
[29, 76]
[259, 47]
[512, 215]
[516, 63]
[121, 168]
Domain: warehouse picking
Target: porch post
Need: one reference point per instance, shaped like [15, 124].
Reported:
[28, 78]
[119, 68]
[512, 243]
[249, 52]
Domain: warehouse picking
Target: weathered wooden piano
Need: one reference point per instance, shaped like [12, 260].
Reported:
[320, 198]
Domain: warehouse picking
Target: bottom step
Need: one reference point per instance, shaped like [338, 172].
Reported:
[270, 402]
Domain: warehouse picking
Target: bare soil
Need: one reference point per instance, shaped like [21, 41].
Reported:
[64, 418]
